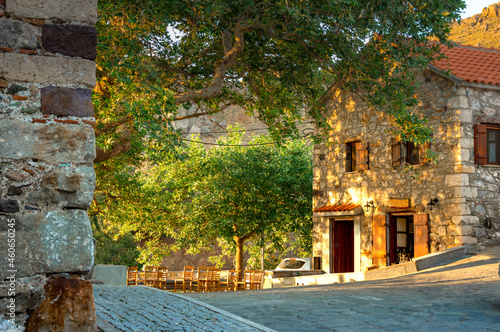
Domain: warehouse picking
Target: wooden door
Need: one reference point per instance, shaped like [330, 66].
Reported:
[343, 246]
[421, 235]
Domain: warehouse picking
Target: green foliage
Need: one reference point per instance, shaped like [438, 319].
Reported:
[202, 197]
[116, 250]
[276, 59]
[279, 60]
[233, 191]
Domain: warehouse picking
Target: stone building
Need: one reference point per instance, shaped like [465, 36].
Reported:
[369, 212]
[47, 149]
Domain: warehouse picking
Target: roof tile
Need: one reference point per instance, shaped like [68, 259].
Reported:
[471, 64]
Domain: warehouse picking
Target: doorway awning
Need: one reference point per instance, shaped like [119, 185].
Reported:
[339, 210]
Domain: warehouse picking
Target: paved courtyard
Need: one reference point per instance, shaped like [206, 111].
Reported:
[462, 296]
[143, 309]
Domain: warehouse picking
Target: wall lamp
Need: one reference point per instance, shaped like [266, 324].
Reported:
[432, 204]
[369, 206]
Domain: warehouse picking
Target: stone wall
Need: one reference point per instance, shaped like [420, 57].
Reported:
[453, 221]
[483, 220]
[47, 148]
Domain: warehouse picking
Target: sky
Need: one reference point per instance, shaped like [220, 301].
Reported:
[476, 6]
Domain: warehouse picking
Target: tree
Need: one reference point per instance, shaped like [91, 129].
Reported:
[276, 59]
[279, 60]
[229, 194]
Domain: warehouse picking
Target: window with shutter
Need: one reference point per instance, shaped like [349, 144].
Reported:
[407, 153]
[487, 144]
[357, 156]
[350, 157]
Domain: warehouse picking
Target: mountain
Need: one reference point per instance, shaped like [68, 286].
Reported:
[479, 30]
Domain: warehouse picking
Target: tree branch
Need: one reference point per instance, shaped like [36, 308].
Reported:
[106, 127]
[249, 235]
[119, 146]
[215, 88]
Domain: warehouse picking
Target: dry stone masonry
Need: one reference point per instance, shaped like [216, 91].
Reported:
[469, 196]
[47, 149]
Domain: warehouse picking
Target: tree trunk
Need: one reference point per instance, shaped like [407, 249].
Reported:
[239, 257]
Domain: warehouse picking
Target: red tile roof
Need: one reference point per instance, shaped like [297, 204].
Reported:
[472, 64]
[337, 208]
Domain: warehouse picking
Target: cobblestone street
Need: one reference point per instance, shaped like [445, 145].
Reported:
[144, 309]
[461, 296]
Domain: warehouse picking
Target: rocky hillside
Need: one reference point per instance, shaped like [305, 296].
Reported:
[479, 30]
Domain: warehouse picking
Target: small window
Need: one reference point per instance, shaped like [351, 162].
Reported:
[350, 157]
[407, 153]
[356, 156]
[413, 153]
[487, 144]
[493, 145]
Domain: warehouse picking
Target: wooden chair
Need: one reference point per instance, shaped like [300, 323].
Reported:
[248, 279]
[257, 279]
[132, 276]
[150, 276]
[161, 282]
[187, 278]
[231, 282]
[203, 279]
[214, 282]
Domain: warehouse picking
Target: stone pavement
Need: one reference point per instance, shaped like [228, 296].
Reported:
[139, 308]
[461, 296]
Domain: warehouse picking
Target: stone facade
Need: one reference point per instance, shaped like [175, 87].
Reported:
[468, 208]
[47, 149]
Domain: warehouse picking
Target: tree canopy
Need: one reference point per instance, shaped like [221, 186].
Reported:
[226, 195]
[279, 60]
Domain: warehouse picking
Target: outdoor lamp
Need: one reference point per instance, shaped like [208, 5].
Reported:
[369, 206]
[432, 204]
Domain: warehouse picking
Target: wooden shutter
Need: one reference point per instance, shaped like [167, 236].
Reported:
[421, 234]
[379, 233]
[480, 144]
[396, 152]
[362, 157]
[422, 148]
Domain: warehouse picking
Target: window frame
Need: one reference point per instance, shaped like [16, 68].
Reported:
[357, 157]
[350, 157]
[481, 143]
[400, 151]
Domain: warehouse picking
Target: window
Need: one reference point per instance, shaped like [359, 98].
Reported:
[487, 144]
[407, 153]
[401, 242]
[356, 156]
[493, 145]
